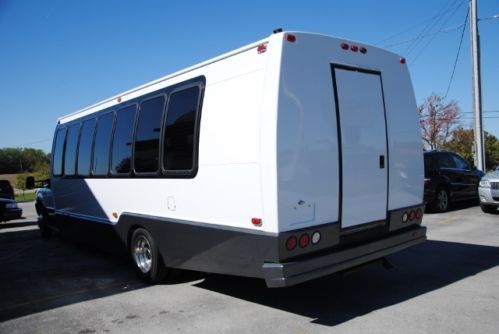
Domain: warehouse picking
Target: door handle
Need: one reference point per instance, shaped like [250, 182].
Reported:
[381, 161]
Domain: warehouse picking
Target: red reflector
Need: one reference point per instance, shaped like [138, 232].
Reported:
[363, 50]
[304, 240]
[419, 213]
[261, 48]
[412, 215]
[402, 60]
[290, 38]
[256, 221]
[291, 243]
[354, 48]
[345, 46]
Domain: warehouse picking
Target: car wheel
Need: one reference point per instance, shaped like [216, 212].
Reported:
[488, 208]
[441, 202]
[43, 221]
[145, 254]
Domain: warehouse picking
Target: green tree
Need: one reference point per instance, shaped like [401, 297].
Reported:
[462, 142]
[19, 160]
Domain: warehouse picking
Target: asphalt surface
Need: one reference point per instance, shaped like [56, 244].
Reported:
[450, 284]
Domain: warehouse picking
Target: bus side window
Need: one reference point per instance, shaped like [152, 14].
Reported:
[70, 150]
[102, 145]
[121, 157]
[146, 158]
[85, 147]
[180, 140]
[57, 158]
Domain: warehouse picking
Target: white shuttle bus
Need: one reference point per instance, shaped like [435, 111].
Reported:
[288, 159]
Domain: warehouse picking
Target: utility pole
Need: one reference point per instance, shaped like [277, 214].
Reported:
[477, 91]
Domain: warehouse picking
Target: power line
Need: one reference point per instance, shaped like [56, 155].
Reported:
[486, 111]
[414, 26]
[457, 55]
[433, 37]
[444, 11]
[448, 29]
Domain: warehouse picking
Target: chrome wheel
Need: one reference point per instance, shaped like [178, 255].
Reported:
[442, 200]
[142, 254]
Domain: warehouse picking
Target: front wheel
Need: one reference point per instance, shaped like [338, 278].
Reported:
[488, 208]
[145, 253]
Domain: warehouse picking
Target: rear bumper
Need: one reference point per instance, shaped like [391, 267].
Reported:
[292, 273]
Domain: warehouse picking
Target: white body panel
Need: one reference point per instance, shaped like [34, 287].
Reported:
[268, 145]
[363, 141]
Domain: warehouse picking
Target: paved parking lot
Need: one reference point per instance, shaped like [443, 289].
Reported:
[446, 285]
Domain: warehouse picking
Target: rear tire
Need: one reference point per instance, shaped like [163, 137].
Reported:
[488, 208]
[146, 257]
[43, 218]
[441, 202]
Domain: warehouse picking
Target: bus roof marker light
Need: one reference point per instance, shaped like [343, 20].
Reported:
[363, 50]
[345, 46]
[291, 38]
[354, 48]
[402, 60]
[261, 48]
[118, 99]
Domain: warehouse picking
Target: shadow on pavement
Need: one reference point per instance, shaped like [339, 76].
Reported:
[40, 274]
[456, 206]
[344, 296]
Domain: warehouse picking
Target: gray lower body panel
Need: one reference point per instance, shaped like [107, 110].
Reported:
[295, 272]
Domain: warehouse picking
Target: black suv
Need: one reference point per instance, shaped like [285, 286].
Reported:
[6, 190]
[448, 177]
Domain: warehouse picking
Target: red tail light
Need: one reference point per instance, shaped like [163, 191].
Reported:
[291, 243]
[304, 240]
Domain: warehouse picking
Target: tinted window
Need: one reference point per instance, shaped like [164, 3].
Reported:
[58, 150]
[148, 134]
[460, 163]
[102, 143]
[122, 142]
[445, 161]
[180, 141]
[85, 147]
[70, 150]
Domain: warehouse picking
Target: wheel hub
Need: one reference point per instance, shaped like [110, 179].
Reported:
[142, 254]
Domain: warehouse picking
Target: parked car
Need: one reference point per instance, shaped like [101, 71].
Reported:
[489, 192]
[9, 210]
[6, 190]
[448, 178]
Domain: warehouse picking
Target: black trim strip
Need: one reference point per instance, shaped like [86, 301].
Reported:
[340, 151]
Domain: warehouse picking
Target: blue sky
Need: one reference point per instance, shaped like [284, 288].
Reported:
[57, 57]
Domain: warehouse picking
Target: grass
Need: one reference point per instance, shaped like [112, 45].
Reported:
[27, 197]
